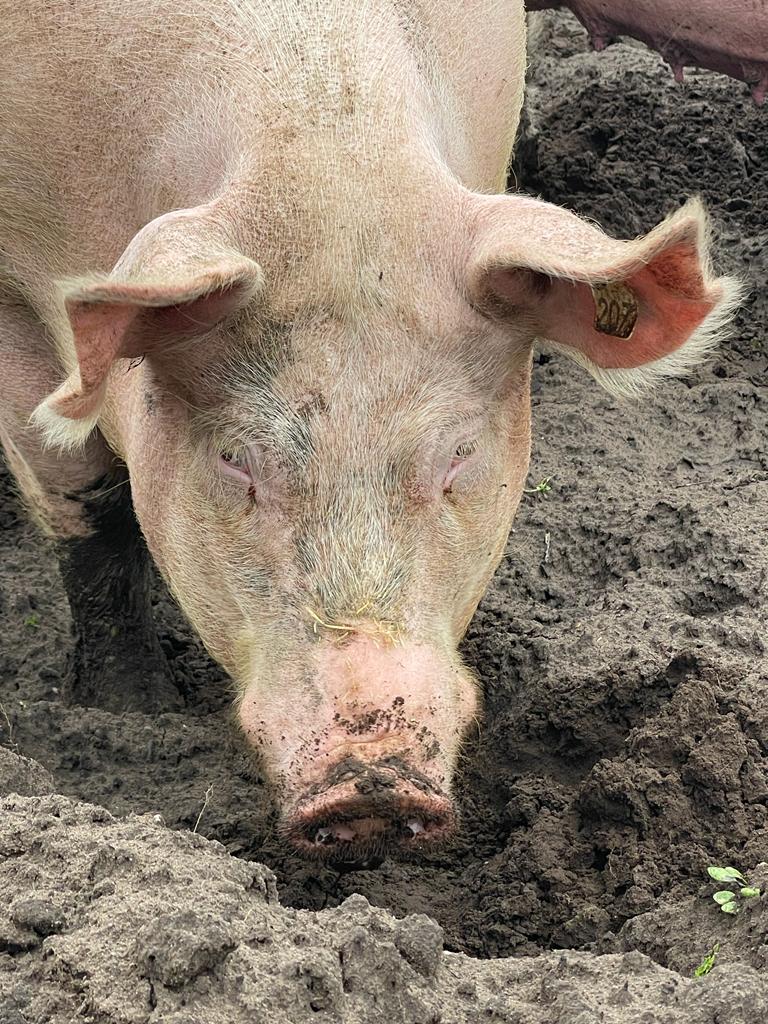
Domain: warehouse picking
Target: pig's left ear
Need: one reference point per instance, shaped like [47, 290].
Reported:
[630, 312]
[176, 280]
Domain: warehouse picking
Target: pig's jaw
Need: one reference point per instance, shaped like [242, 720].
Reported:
[363, 759]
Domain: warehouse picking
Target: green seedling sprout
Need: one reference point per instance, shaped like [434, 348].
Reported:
[32, 621]
[708, 962]
[542, 487]
[731, 902]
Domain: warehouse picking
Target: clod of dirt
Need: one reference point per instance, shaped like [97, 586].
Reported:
[40, 916]
[23, 776]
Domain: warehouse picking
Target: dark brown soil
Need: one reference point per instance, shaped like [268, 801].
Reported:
[621, 645]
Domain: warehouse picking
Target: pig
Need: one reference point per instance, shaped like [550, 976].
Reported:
[731, 39]
[268, 313]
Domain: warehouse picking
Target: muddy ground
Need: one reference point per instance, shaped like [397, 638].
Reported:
[622, 646]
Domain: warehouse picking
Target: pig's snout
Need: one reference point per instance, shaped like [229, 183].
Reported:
[363, 763]
[361, 812]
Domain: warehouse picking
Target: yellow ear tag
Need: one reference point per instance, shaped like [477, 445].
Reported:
[615, 309]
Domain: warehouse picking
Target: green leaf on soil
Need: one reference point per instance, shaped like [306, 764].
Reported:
[725, 874]
[723, 896]
[730, 908]
[708, 962]
[749, 891]
[542, 487]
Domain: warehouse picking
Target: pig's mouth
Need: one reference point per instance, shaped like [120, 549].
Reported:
[354, 824]
[363, 834]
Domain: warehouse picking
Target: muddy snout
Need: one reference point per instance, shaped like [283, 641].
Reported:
[362, 812]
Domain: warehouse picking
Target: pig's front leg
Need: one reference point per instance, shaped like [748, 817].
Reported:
[82, 500]
[117, 662]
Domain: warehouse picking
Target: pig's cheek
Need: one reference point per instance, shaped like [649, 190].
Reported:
[487, 552]
[153, 428]
[152, 490]
[158, 489]
[473, 592]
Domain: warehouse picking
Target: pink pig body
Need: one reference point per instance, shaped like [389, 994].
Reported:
[261, 245]
[731, 38]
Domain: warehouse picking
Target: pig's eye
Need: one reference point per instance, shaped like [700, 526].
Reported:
[461, 453]
[235, 465]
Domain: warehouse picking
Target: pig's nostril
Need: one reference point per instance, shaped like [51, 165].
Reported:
[339, 833]
[368, 829]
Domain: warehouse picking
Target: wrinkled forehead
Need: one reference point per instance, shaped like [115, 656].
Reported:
[392, 373]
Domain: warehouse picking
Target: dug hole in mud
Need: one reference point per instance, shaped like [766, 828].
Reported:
[622, 651]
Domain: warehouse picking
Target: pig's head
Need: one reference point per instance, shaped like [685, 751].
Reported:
[328, 487]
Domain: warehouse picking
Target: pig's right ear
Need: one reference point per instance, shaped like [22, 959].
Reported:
[161, 291]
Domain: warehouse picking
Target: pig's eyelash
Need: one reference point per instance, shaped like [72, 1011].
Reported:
[464, 450]
[236, 465]
[233, 458]
[461, 453]
[247, 465]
